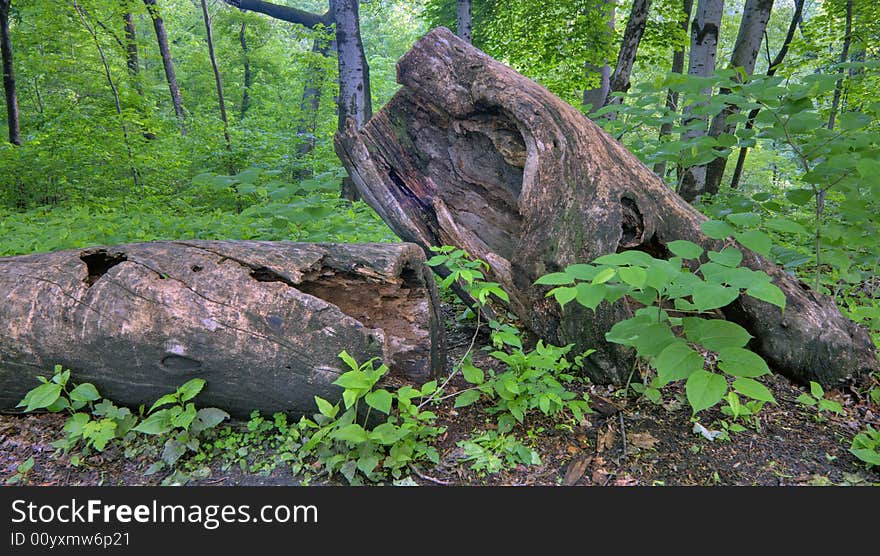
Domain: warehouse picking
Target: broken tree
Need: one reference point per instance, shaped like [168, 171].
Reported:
[262, 322]
[471, 153]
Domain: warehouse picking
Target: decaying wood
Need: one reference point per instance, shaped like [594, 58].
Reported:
[262, 322]
[472, 154]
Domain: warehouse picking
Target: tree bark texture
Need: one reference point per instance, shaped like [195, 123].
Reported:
[464, 24]
[316, 75]
[354, 74]
[167, 61]
[756, 14]
[218, 82]
[12, 115]
[472, 154]
[248, 77]
[131, 49]
[629, 47]
[262, 322]
[671, 95]
[596, 96]
[701, 63]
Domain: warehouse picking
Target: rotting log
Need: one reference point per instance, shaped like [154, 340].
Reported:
[471, 153]
[262, 322]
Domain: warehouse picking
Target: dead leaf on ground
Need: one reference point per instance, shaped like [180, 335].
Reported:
[605, 440]
[576, 469]
[644, 440]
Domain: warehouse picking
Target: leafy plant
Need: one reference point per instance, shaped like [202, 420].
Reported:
[667, 289]
[866, 446]
[359, 449]
[22, 472]
[816, 398]
[492, 451]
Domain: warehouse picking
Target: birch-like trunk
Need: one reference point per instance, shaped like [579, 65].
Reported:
[629, 47]
[464, 27]
[677, 67]
[354, 73]
[167, 61]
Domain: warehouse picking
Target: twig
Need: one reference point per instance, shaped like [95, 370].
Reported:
[457, 368]
[622, 433]
[421, 475]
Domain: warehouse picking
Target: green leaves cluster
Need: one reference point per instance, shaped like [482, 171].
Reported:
[673, 319]
[816, 398]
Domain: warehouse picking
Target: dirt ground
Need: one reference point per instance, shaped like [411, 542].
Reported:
[625, 442]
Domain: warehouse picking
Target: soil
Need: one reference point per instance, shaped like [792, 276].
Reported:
[627, 441]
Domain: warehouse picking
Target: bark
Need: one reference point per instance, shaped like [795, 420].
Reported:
[701, 63]
[671, 95]
[844, 56]
[167, 61]
[284, 13]
[595, 97]
[463, 22]
[131, 49]
[771, 71]
[752, 29]
[629, 47]
[472, 154]
[262, 322]
[218, 82]
[12, 116]
[311, 97]
[248, 76]
[354, 74]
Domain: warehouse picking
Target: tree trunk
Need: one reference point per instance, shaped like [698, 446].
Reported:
[167, 61]
[595, 97]
[629, 47]
[771, 71]
[701, 63]
[671, 95]
[12, 118]
[844, 56]
[463, 23]
[248, 76]
[131, 51]
[354, 74]
[472, 154]
[316, 75]
[756, 14]
[262, 322]
[209, 35]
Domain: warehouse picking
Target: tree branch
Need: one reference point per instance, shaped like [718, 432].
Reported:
[284, 13]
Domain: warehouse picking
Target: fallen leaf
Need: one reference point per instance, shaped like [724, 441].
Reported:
[605, 440]
[626, 481]
[576, 469]
[572, 449]
[643, 440]
[599, 476]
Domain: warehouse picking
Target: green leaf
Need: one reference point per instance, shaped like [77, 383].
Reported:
[816, 390]
[716, 229]
[379, 400]
[590, 295]
[554, 279]
[367, 464]
[806, 399]
[800, 196]
[164, 400]
[466, 398]
[42, 396]
[604, 276]
[563, 295]
[704, 389]
[353, 433]
[867, 455]
[208, 418]
[759, 242]
[326, 408]
[765, 291]
[635, 276]
[638, 258]
[85, 392]
[830, 405]
[729, 256]
[741, 362]
[155, 424]
[677, 361]
[349, 360]
[191, 389]
[712, 296]
[715, 334]
[472, 373]
[685, 249]
[581, 271]
[753, 389]
[786, 226]
[745, 219]
[354, 380]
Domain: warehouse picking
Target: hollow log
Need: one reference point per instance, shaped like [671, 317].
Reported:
[262, 322]
[471, 153]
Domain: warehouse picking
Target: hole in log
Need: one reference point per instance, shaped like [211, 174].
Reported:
[98, 262]
[196, 268]
[179, 364]
[400, 309]
[266, 274]
[632, 224]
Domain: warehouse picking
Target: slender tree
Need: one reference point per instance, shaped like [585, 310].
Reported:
[12, 117]
[218, 82]
[316, 75]
[355, 100]
[773, 66]
[248, 76]
[752, 29]
[464, 27]
[629, 46]
[677, 67]
[595, 97]
[844, 57]
[167, 60]
[701, 63]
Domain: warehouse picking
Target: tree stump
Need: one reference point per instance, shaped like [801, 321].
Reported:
[472, 154]
[262, 322]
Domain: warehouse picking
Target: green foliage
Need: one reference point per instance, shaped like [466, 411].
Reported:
[350, 443]
[22, 472]
[492, 451]
[866, 446]
[674, 317]
[816, 398]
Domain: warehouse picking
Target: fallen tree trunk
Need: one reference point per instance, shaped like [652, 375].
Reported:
[262, 322]
[472, 154]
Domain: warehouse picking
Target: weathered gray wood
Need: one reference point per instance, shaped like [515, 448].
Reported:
[472, 154]
[262, 322]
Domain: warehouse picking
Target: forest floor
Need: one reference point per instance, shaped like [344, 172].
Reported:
[625, 442]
